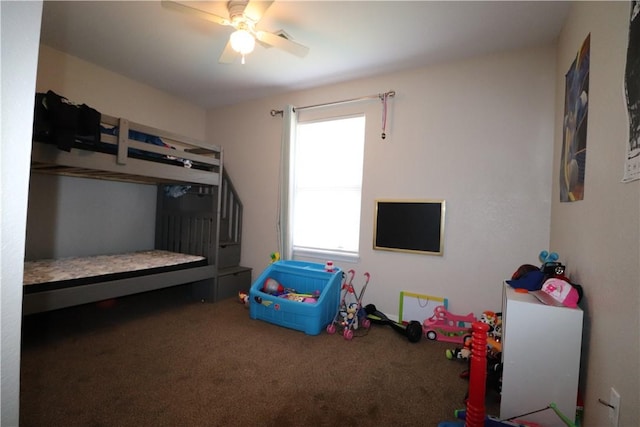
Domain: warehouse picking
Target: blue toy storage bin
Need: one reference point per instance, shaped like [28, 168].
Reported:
[305, 278]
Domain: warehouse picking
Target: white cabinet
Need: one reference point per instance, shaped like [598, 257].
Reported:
[540, 356]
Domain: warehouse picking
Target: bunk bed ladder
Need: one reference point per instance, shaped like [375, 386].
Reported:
[188, 224]
[232, 277]
[230, 224]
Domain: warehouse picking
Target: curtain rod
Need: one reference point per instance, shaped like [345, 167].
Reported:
[382, 96]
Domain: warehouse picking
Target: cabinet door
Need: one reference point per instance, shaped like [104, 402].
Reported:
[541, 358]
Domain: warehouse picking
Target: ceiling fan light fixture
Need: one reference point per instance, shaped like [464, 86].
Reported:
[243, 17]
[242, 42]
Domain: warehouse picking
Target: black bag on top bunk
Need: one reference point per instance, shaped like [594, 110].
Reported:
[58, 121]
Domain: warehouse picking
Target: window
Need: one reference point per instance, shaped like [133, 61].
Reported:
[326, 184]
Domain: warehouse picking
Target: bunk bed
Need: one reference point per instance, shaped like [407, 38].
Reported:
[188, 175]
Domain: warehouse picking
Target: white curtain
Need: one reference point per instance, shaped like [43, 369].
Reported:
[289, 124]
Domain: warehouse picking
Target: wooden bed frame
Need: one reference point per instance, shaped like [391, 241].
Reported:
[188, 224]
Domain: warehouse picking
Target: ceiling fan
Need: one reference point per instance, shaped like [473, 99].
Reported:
[244, 16]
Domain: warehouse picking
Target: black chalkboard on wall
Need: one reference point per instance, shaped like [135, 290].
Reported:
[409, 226]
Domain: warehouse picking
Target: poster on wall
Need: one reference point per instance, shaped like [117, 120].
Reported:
[574, 139]
[632, 92]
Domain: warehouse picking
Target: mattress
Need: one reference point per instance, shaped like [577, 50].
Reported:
[50, 274]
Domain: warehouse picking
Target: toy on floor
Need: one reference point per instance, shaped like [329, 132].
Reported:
[461, 353]
[412, 330]
[445, 326]
[474, 415]
[494, 351]
[494, 338]
[350, 314]
[494, 373]
[490, 318]
[243, 298]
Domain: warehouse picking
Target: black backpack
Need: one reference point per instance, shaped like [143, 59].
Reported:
[59, 121]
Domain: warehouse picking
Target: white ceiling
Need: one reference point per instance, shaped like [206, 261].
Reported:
[178, 53]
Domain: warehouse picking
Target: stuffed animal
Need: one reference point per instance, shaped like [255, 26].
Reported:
[350, 319]
[494, 336]
[243, 298]
[546, 257]
[463, 353]
[490, 318]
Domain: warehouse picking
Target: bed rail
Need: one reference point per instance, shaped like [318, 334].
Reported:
[120, 158]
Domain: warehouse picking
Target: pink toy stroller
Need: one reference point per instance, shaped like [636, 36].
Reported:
[351, 315]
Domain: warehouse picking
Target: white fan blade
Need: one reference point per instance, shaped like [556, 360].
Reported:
[256, 9]
[228, 55]
[195, 12]
[282, 43]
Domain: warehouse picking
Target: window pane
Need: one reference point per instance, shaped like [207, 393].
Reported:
[330, 153]
[328, 164]
[327, 219]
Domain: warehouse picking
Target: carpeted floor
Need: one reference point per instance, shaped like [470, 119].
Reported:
[159, 359]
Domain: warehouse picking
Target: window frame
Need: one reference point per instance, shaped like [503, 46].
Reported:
[325, 253]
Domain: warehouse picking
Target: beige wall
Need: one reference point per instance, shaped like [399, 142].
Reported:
[477, 133]
[116, 95]
[599, 236]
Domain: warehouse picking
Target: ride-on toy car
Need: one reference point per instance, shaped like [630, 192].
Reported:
[445, 326]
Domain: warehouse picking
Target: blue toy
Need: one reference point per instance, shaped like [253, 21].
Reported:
[491, 421]
[546, 257]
